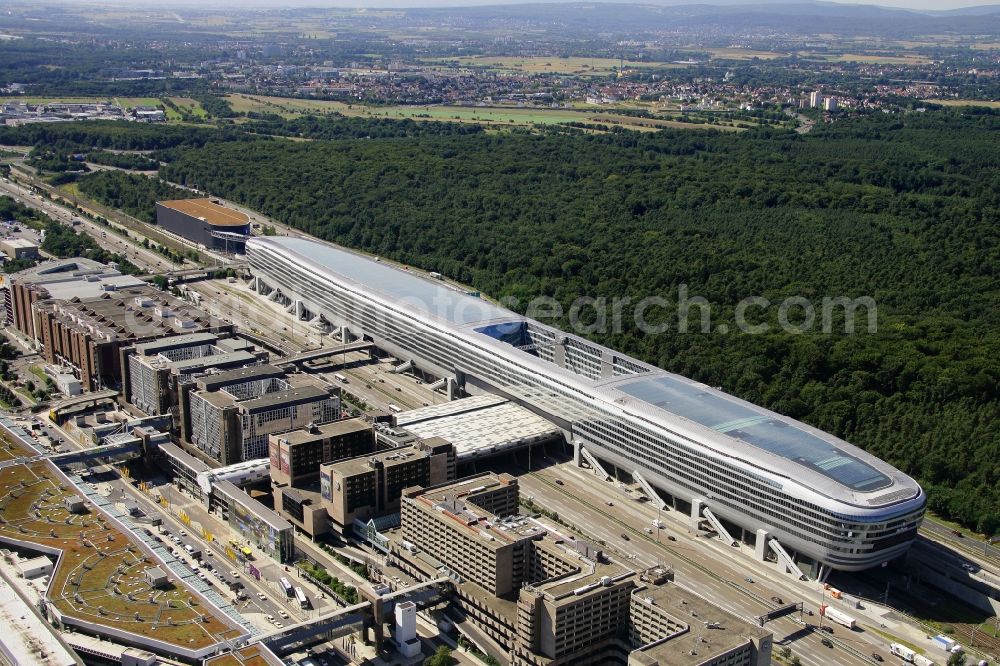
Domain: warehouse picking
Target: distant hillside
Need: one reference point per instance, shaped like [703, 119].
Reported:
[794, 16]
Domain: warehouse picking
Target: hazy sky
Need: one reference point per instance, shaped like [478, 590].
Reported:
[903, 4]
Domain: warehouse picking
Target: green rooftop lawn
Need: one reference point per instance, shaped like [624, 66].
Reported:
[100, 577]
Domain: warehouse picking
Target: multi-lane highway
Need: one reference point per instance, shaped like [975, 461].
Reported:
[134, 252]
[605, 511]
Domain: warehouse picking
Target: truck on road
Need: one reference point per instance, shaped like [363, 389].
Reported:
[837, 616]
[903, 652]
[947, 644]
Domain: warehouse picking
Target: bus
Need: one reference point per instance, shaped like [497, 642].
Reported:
[340, 378]
[395, 409]
[287, 587]
[302, 598]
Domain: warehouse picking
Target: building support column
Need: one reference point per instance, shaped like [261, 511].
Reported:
[696, 505]
[760, 545]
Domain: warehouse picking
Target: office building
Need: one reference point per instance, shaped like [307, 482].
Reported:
[80, 314]
[296, 456]
[206, 222]
[811, 499]
[62, 279]
[369, 486]
[228, 416]
[538, 597]
[152, 371]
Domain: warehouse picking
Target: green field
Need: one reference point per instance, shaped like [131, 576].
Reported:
[742, 54]
[187, 104]
[128, 103]
[965, 102]
[487, 116]
[877, 58]
[551, 65]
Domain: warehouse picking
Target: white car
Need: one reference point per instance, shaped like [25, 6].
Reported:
[278, 625]
[283, 614]
[269, 618]
[234, 573]
[261, 596]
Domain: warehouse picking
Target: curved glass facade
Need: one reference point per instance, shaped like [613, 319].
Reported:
[819, 496]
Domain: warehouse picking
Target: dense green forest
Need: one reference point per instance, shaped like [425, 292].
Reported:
[903, 209]
[123, 160]
[133, 193]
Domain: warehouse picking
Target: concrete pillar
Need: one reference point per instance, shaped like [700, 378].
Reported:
[576, 452]
[345, 335]
[696, 505]
[760, 547]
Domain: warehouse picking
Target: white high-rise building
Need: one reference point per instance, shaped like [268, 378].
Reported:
[406, 629]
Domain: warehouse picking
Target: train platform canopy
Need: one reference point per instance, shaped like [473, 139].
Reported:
[479, 426]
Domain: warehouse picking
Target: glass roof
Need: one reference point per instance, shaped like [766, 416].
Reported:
[757, 427]
[397, 285]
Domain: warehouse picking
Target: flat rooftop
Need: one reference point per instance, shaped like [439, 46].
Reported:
[712, 631]
[479, 426]
[215, 214]
[25, 634]
[178, 341]
[124, 314]
[467, 486]
[255, 654]
[325, 431]
[293, 396]
[352, 466]
[238, 376]
[82, 278]
[20, 243]
[191, 365]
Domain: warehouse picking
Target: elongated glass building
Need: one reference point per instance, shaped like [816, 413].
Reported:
[827, 501]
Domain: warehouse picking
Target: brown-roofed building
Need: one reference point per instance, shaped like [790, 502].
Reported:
[80, 313]
[205, 221]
